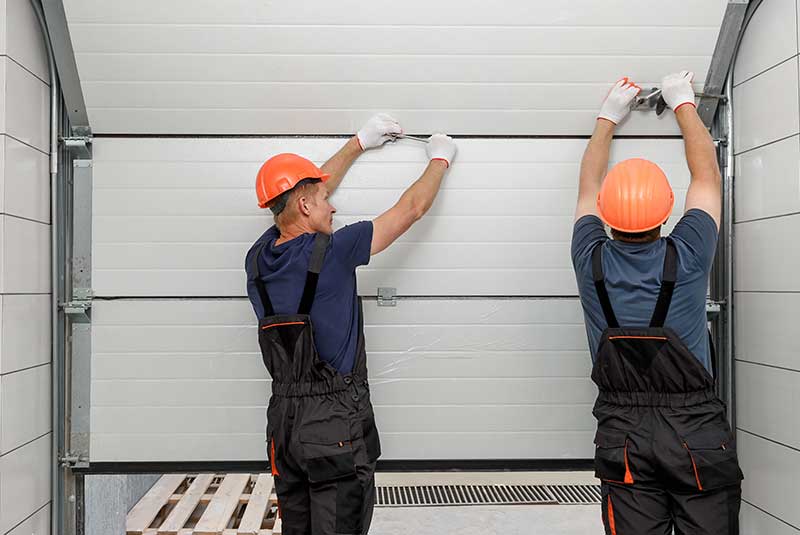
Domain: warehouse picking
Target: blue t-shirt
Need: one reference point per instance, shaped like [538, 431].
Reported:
[334, 314]
[633, 278]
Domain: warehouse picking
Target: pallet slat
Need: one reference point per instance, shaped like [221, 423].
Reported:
[187, 504]
[257, 506]
[144, 512]
[225, 501]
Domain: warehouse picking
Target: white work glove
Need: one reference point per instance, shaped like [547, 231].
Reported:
[677, 89]
[617, 104]
[441, 147]
[377, 131]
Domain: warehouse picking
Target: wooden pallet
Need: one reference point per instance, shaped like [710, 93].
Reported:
[207, 504]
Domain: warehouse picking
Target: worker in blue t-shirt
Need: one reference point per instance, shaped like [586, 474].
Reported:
[322, 439]
[665, 454]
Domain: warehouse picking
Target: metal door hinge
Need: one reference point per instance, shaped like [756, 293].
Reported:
[713, 308]
[80, 146]
[387, 297]
[80, 304]
[720, 141]
[72, 460]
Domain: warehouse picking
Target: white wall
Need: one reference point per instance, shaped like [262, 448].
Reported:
[767, 197]
[176, 378]
[320, 67]
[25, 353]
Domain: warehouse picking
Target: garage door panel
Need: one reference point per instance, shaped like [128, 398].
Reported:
[123, 313]
[478, 445]
[244, 230]
[366, 96]
[412, 364]
[391, 419]
[253, 150]
[178, 219]
[349, 202]
[238, 339]
[164, 370]
[135, 231]
[581, 12]
[249, 392]
[215, 122]
[364, 175]
[395, 446]
[400, 256]
[383, 40]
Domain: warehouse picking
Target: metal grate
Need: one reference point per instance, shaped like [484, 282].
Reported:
[576, 494]
[443, 495]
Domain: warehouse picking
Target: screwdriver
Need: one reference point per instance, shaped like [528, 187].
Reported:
[405, 136]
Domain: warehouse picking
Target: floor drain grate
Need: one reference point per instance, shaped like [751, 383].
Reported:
[576, 494]
[440, 495]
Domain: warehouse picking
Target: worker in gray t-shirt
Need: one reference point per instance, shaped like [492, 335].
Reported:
[665, 454]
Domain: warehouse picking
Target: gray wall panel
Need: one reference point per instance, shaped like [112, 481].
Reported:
[766, 402]
[766, 266]
[771, 475]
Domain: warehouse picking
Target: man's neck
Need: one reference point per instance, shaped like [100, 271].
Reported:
[292, 231]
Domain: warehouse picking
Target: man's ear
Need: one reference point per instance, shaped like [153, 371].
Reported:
[302, 205]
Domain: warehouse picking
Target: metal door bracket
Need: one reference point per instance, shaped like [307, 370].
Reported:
[80, 146]
[387, 297]
[713, 308]
[80, 304]
[72, 460]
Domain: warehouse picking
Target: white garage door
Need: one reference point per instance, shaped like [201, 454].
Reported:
[484, 357]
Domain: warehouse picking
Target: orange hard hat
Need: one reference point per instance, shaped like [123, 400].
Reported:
[281, 173]
[635, 196]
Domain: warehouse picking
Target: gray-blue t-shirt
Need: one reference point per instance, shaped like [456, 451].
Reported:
[335, 313]
[633, 278]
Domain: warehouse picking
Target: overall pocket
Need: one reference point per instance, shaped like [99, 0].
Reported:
[611, 457]
[371, 438]
[327, 450]
[712, 454]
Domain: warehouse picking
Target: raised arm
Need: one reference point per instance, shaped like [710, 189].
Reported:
[374, 133]
[706, 182]
[417, 199]
[595, 159]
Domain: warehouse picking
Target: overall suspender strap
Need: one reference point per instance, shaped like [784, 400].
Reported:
[668, 278]
[712, 355]
[259, 284]
[600, 286]
[314, 267]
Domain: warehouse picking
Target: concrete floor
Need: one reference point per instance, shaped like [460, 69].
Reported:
[108, 498]
[480, 520]
[483, 520]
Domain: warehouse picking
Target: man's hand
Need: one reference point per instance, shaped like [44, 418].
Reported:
[677, 89]
[377, 131]
[617, 104]
[441, 147]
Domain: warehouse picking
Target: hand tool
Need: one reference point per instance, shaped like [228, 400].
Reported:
[653, 99]
[395, 137]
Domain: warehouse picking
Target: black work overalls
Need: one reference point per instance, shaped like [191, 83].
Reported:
[664, 450]
[321, 437]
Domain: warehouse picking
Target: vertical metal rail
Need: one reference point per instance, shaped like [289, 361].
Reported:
[729, 395]
[722, 281]
[57, 284]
